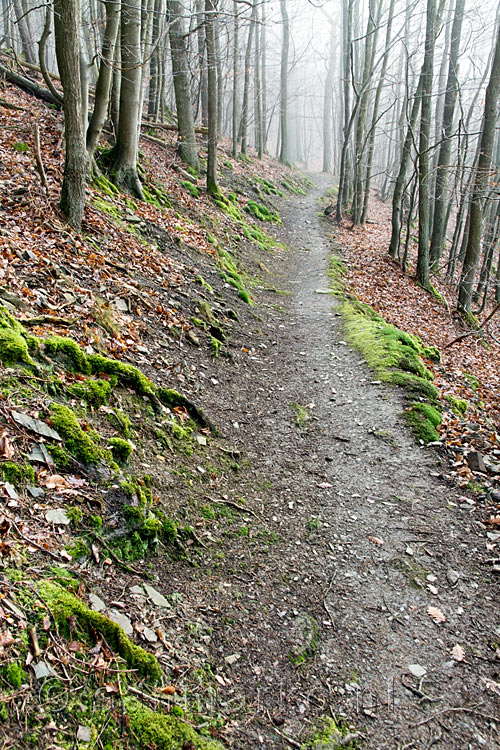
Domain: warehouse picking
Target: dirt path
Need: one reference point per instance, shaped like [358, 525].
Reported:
[363, 537]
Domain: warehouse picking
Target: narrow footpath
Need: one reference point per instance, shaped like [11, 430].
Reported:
[362, 536]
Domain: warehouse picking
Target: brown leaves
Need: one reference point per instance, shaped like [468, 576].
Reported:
[458, 653]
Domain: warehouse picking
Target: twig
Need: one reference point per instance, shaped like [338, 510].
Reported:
[478, 330]
[34, 642]
[38, 158]
[34, 544]
[454, 709]
[291, 742]
[330, 584]
[231, 504]
[8, 105]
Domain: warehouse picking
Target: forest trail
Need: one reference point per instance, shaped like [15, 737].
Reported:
[332, 617]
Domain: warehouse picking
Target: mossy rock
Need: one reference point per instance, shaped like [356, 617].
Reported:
[261, 212]
[16, 343]
[458, 405]
[63, 605]
[67, 350]
[191, 188]
[423, 420]
[76, 441]
[121, 450]
[163, 731]
[17, 474]
[330, 734]
[93, 392]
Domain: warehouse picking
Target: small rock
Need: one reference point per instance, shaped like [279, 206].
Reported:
[57, 516]
[150, 635]
[452, 576]
[232, 658]
[493, 536]
[201, 439]
[42, 670]
[137, 590]
[193, 338]
[142, 349]
[417, 670]
[96, 603]
[83, 734]
[476, 462]
[10, 491]
[156, 597]
[122, 620]
[121, 304]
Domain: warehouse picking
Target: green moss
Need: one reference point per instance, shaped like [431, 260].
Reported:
[106, 186]
[261, 212]
[121, 450]
[472, 381]
[156, 195]
[14, 674]
[330, 734]
[108, 208]
[64, 605]
[13, 348]
[386, 349]
[163, 731]
[415, 386]
[201, 281]
[458, 405]
[125, 374]
[17, 474]
[268, 187]
[120, 421]
[302, 416]
[67, 350]
[191, 188]
[76, 441]
[216, 346]
[75, 514]
[94, 392]
[59, 455]
[78, 549]
[423, 420]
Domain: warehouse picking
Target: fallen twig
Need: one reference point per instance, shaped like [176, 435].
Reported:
[34, 544]
[119, 562]
[38, 158]
[475, 332]
[41, 320]
[454, 709]
[234, 505]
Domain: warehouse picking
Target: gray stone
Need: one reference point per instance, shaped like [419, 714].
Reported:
[452, 576]
[35, 491]
[232, 658]
[42, 670]
[57, 516]
[35, 425]
[417, 670]
[156, 597]
[83, 734]
[137, 590]
[150, 635]
[122, 620]
[96, 603]
[476, 462]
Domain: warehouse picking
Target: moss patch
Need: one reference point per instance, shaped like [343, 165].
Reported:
[63, 605]
[76, 441]
[458, 405]
[261, 212]
[17, 474]
[121, 450]
[423, 420]
[15, 342]
[191, 188]
[163, 731]
[330, 734]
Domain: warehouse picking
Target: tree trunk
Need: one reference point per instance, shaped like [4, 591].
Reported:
[67, 26]
[480, 185]
[327, 106]
[103, 85]
[441, 189]
[186, 143]
[127, 141]
[376, 104]
[201, 62]
[235, 80]
[212, 188]
[285, 149]
[24, 33]
[246, 84]
[423, 147]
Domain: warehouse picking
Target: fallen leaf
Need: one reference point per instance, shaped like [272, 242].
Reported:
[6, 450]
[168, 690]
[494, 520]
[457, 653]
[375, 540]
[6, 638]
[112, 687]
[323, 485]
[432, 589]
[436, 614]
[53, 481]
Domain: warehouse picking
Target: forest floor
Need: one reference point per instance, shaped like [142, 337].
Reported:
[330, 566]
